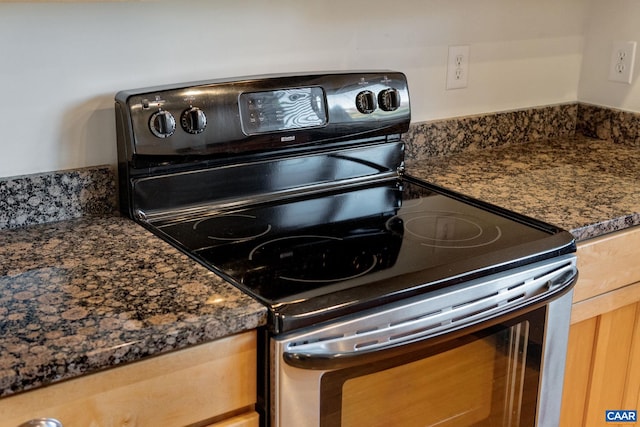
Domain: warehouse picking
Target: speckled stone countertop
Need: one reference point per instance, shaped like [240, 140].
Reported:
[81, 295]
[586, 186]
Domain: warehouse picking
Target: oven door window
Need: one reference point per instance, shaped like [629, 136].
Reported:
[486, 379]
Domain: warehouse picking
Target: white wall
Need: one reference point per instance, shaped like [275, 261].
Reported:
[610, 20]
[61, 64]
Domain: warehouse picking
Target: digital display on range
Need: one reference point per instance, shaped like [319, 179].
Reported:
[282, 110]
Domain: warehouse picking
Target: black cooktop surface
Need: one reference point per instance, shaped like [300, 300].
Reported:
[352, 246]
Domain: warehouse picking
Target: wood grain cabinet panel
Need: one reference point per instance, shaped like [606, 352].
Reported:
[603, 367]
[611, 361]
[186, 387]
[578, 372]
[608, 263]
[603, 357]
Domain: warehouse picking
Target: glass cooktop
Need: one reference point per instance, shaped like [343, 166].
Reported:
[348, 246]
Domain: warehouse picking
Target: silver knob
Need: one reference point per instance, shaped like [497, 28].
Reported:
[194, 120]
[366, 102]
[389, 99]
[42, 422]
[162, 124]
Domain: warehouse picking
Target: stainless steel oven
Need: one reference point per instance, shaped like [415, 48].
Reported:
[391, 301]
[460, 356]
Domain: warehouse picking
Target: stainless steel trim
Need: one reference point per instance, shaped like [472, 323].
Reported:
[440, 312]
[553, 360]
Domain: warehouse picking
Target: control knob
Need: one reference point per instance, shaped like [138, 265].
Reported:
[366, 102]
[194, 120]
[389, 99]
[162, 124]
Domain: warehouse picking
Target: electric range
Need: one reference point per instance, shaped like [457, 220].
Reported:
[294, 189]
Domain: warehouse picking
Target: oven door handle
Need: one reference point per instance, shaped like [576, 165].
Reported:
[449, 313]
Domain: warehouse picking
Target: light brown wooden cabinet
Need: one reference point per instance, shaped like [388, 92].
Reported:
[212, 384]
[603, 358]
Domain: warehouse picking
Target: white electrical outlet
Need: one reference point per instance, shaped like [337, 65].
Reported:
[458, 67]
[623, 56]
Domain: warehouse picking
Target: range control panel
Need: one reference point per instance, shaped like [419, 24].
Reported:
[254, 114]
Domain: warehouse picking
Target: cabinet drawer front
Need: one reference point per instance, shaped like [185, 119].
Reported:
[176, 389]
[608, 263]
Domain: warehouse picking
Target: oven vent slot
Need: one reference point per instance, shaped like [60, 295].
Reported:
[319, 339]
[438, 312]
[360, 346]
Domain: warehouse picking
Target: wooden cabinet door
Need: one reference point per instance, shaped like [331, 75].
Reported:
[211, 381]
[603, 367]
[577, 376]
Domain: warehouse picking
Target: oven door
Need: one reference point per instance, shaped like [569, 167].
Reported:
[487, 373]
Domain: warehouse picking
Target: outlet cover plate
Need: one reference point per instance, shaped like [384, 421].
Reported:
[458, 67]
[623, 57]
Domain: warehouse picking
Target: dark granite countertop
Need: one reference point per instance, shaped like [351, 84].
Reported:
[82, 295]
[586, 186]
